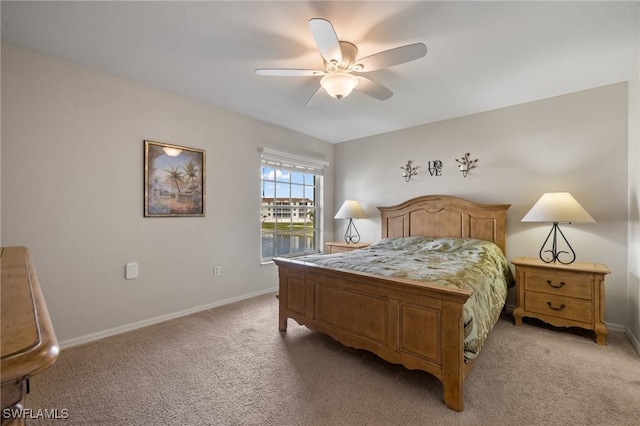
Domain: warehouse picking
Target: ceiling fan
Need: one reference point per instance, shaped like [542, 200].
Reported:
[342, 72]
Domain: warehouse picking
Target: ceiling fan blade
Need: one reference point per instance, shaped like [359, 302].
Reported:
[373, 89]
[391, 57]
[319, 96]
[326, 39]
[288, 72]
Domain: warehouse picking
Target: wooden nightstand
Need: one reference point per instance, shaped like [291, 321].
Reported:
[561, 295]
[339, 247]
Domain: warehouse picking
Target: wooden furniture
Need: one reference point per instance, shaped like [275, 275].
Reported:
[561, 295]
[416, 324]
[29, 343]
[341, 247]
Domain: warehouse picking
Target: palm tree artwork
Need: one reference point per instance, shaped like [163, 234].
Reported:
[174, 176]
[191, 173]
[174, 184]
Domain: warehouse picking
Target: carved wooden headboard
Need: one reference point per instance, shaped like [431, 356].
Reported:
[446, 216]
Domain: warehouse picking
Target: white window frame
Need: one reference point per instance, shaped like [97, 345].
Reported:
[301, 164]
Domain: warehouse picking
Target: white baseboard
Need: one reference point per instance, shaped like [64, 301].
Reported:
[634, 340]
[140, 324]
[626, 330]
[616, 327]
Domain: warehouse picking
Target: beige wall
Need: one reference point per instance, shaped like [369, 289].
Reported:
[634, 201]
[72, 188]
[72, 191]
[576, 143]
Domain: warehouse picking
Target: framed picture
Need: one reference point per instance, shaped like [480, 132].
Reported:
[174, 180]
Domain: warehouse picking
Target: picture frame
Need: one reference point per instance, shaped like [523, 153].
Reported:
[174, 180]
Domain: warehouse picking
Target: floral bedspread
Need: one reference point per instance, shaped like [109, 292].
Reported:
[463, 263]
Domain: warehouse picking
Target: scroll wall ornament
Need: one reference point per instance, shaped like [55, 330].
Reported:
[409, 171]
[465, 164]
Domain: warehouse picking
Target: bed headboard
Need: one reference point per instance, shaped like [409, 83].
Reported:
[446, 216]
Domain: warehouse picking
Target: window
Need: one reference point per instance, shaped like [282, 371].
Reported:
[290, 205]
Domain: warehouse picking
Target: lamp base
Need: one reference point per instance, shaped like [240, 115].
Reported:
[555, 253]
[351, 235]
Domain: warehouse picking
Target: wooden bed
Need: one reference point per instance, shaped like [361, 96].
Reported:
[416, 324]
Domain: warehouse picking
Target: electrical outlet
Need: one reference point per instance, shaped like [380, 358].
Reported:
[216, 270]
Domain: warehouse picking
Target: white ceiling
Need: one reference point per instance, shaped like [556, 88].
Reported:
[481, 55]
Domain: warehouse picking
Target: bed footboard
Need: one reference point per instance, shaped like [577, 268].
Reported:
[418, 325]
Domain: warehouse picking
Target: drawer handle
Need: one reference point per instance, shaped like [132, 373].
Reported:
[562, 284]
[562, 306]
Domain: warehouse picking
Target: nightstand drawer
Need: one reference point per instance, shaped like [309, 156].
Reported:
[559, 306]
[557, 283]
[341, 247]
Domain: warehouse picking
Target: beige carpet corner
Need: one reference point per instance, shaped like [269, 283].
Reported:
[231, 366]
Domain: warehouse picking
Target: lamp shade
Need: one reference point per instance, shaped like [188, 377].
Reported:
[339, 84]
[557, 207]
[350, 209]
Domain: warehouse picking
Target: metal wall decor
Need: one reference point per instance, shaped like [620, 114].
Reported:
[409, 171]
[435, 168]
[465, 164]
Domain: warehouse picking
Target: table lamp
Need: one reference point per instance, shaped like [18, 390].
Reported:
[351, 209]
[557, 207]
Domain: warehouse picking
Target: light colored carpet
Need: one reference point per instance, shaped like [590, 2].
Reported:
[231, 366]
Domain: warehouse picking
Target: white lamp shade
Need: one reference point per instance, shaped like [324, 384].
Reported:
[350, 209]
[339, 84]
[558, 207]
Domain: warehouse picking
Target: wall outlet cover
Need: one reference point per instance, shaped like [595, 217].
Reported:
[131, 271]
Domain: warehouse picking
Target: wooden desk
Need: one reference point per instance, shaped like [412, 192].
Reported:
[29, 343]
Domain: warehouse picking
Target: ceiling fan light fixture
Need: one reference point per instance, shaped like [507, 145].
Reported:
[339, 84]
[340, 59]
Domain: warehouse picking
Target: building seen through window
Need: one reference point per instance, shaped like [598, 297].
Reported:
[288, 212]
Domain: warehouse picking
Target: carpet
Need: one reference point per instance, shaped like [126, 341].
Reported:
[231, 366]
